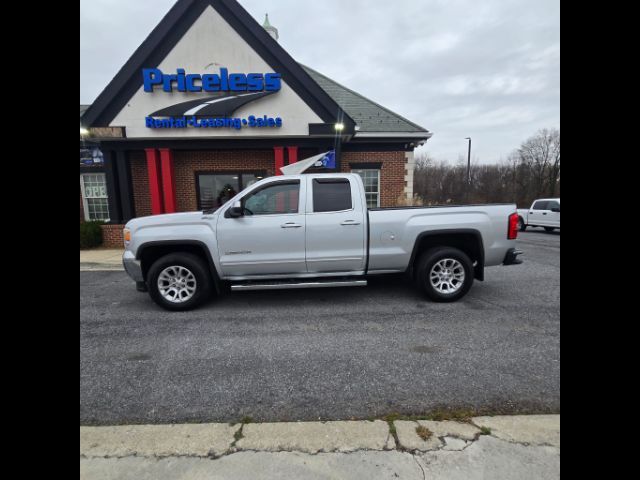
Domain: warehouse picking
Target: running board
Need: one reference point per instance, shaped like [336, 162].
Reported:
[289, 284]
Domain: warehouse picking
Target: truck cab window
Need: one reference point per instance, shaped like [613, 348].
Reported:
[331, 195]
[280, 198]
[541, 205]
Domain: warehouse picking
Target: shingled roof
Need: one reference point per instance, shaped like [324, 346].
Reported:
[368, 115]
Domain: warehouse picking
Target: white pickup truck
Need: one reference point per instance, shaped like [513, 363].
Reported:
[544, 212]
[314, 230]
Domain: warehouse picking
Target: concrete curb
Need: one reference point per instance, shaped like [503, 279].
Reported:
[101, 260]
[98, 267]
[213, 440]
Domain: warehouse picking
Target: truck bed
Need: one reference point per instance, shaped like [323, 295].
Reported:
[394, 231]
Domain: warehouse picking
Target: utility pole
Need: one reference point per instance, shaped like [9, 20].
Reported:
[468, 168]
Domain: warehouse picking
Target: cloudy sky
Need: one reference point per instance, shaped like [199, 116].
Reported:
[489, 70]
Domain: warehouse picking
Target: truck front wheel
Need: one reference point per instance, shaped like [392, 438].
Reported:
[444, 274]
[179, 281]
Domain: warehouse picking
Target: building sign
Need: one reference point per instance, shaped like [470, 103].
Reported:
[210, 82]
[232, 91]
[91, 157]
[225, 122]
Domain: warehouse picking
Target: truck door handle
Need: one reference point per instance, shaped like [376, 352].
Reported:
[544, 213]
[290, 225]
[350, 222]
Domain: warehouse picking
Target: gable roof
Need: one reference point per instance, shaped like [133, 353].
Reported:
[368, 115]
[169, 32]
[331, 101]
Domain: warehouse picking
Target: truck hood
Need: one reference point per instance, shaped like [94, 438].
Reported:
[168, 219]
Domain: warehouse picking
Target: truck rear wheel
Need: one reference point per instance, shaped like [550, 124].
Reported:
[179, 281]
[444, 274]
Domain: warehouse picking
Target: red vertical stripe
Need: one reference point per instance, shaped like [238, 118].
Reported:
[153, 169]
[279, 156]
[293, 154]
[168, 181]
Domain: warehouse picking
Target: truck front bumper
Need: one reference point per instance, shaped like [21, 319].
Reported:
[132, 266]
[511, 258]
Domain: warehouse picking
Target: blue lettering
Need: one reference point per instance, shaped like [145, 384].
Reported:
[224, 82]
[191, 87]
[224, 79]
[166, 82]
[211, 122]
[151, 77]
[255, 82]
[211, 82]
[272, 82]
[238, 82]
[181, 80]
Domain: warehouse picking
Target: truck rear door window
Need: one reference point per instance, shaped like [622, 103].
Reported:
[331, 195]
[541, 205]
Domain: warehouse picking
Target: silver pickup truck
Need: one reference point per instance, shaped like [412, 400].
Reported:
[314, 230]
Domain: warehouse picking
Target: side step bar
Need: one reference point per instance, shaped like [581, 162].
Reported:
[288, 285]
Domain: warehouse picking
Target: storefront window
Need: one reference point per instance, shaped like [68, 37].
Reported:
[216, 189]
[94, 196]
[91, 157]
[371, 180]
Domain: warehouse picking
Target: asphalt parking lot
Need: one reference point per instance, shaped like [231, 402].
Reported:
[327, 353]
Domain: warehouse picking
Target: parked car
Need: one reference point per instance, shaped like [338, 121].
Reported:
[544, 212]
[314, 230]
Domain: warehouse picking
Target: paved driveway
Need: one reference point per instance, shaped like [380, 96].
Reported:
[327, 353]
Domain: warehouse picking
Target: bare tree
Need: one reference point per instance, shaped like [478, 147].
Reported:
[541, 154]
[531, 171]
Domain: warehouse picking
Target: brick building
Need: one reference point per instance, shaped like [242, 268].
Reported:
[210, 103]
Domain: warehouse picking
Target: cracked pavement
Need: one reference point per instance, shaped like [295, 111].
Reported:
[511, 447]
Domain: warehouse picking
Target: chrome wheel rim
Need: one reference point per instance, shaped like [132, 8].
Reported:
[447, 276]
[177, 284]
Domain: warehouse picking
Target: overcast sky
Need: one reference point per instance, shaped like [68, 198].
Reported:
[489, 70]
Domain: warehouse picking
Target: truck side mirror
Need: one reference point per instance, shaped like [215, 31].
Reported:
[236, 210]
[556, 209]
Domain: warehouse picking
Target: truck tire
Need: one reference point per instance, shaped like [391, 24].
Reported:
[179, 281]
[521, 225]
[549, 229]
[444, 274]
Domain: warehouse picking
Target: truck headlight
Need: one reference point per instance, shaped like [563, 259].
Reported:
[126, 234]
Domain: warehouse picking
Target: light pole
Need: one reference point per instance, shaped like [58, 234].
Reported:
[468, 167]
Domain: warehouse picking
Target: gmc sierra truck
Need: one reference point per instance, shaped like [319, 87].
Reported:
[544, 212]
[314, 230]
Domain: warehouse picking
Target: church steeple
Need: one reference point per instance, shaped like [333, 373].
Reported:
[273, 31]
